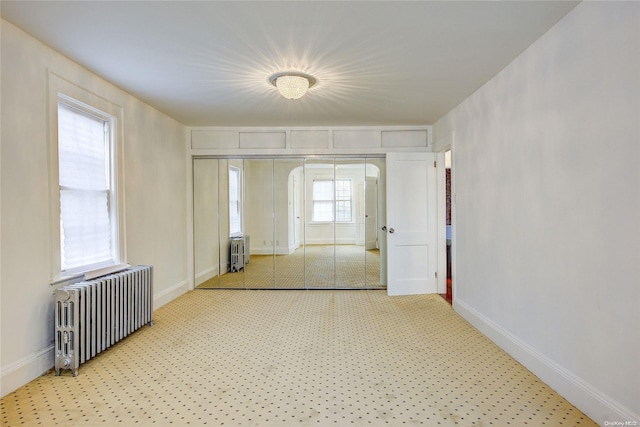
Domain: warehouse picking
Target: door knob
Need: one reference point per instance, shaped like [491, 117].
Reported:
[391, 230]
[384, 228]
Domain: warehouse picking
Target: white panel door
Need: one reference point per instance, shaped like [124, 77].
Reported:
[411, 223]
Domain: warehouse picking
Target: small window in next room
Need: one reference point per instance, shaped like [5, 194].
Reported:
[86, 182]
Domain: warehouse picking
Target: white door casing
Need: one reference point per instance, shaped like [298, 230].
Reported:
[411, 223]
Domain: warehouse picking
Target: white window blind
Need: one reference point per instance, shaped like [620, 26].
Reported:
[85, 194]
[235, 221]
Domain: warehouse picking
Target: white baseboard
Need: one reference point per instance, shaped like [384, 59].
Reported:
[268, 250]
[206, 274]
[25, 370]
[338, 241]
[595, 404]
[169, 294]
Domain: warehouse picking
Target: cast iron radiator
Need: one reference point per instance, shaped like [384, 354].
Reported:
[93, 315]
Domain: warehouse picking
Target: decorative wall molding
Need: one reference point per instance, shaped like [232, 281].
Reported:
[223, 141]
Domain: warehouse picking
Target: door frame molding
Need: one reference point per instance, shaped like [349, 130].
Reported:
[441, 146]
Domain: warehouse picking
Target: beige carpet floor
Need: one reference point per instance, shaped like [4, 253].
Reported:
[296, 358]
[309, 267]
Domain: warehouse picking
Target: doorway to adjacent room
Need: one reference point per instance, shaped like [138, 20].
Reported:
[449, 221]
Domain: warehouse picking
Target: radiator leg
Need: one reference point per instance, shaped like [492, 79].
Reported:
[75, 372]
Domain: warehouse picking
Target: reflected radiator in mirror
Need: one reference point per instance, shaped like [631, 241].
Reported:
[239, 253]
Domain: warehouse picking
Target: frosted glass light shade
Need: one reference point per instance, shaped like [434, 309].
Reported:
[292, 85]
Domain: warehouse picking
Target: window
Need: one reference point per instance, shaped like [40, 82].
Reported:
[325, 206]
[88, 214]
[235, 213]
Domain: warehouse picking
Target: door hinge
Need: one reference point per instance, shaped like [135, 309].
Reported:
[436, 274]
[435, 164]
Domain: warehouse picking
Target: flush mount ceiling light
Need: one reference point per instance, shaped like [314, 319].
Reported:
[292, 85]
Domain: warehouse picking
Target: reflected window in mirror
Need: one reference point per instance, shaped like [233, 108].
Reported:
[332, 200]
[235, 207]
[343, 200]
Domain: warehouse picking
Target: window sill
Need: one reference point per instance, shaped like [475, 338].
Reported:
[78, 276]
[62, 281]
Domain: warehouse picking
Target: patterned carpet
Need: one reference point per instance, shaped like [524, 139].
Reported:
[296, 358]
[309, 267]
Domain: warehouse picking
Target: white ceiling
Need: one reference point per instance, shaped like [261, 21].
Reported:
[207, 63]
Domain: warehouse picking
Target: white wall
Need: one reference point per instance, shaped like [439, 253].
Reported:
[155, 199]
[205, 219]
[260, 207]
[547, 193]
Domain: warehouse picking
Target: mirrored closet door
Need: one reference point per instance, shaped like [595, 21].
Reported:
[288, 223]
[258, 229]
